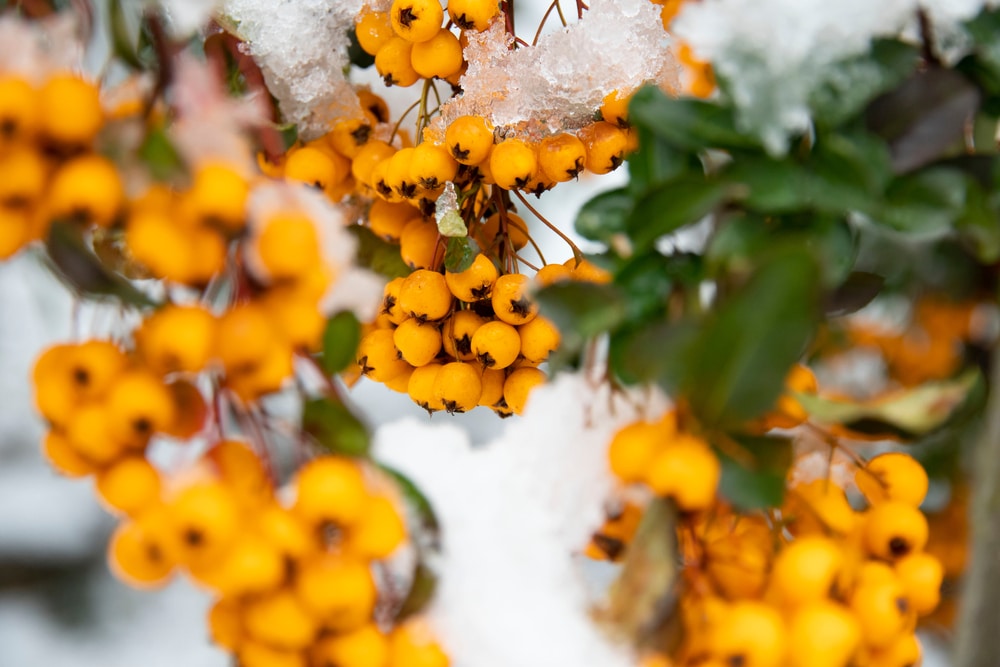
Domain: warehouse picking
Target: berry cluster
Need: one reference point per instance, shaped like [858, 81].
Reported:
[813, 582]
[466, 339]
[48, 168]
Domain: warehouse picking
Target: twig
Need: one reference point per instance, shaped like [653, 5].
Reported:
[577, 253]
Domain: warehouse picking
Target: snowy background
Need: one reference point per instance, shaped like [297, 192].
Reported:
[59, 606]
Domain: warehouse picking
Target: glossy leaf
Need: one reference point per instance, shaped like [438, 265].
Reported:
[685, 123]
[160, 156]
[377, 254]
[340, 342]
[926, 203]
[334, 427]
[673, 205]
[604, 215]
[656, 162]
[860, 289]
[746, 346]
[460, 253]
[757, 479]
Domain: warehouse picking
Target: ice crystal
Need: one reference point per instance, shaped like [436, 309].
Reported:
[774, 53]
[446, 213]
[559, 83]
[301, 47]
[34, 50]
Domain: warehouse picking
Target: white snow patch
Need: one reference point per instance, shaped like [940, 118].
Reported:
[301, 47]
[775, 52]
[513, 513]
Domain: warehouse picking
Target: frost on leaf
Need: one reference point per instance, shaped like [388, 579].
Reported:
[446, 213]
[301, 47]
[774, 53]
[559, 83]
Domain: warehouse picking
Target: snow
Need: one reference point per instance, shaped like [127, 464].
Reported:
[513, 513]
[301, 47]
[774, 53]
[559, 83]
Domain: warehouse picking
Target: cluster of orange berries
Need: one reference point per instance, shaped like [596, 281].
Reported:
[455, 341]
[813, 583]
[48, 168]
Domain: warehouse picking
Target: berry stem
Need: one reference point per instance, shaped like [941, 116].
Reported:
[545, 17]
[577, 253]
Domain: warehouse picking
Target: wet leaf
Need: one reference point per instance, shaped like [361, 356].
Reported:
[673, 205]
[377, 254]
[759, 481]
[340, 342]
[460, 254]
[604, 215]
[687, 123]
[334, 427]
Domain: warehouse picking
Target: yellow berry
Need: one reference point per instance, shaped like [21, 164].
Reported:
[424, 294]
[469, 139]
[822, 634]
[473, 14]
[539, 338]
[60, 94]
[130, 485]
[605, 144]
[894, 529]
[457, 332]
[416, 20]
[496, 345]
[513, 164]
[518, 387]
[86, 189]
[458, 387]
[510, 301]
[330, 490]
[394, 63]
[893, 476]
[373, 30]
[417, 341]
[440, 56]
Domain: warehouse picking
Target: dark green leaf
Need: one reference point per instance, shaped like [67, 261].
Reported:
[746, 346]
[289, 134]
[358, 56]
[580, 311]
[378, 255]
[159, 154]
[923, 118]
[82, 270]
[340, 341]
[758, 482]
[334, 427]
[123, 42]
[980, 224]
[853, 294]
[604, 215]
[659, 352]
[422, 589]
[686, 123]
[672, 205]
[647, 280]
[656, 162]
[460, 254]
[856, 80]
[927, 202]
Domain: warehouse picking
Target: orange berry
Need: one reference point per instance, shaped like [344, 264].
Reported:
[394, 62]
[440, 56]
[458, 387]
[130, 485]
[418, 342]
[561, 157]
[89, 432]
[539, 338]
[518, 387]
[141, 552]
[496, 345]
[513, 164]
[288, 246]
[218, 197]
[378, 357]
[88, 190]
[411, 645]
[379, 530]
[510, 301]
[605, 144]
[373, 30]
[686, 470]
[250, 565]
[416, 20]
[469, 139]
[330, 490]
[420, 387]
[62, 456]
[418, 243]
[58, 95]
[177, 338]
[224, 624]
[18, 109]
[255, 654]
[474, 283]
[206, 521]
[424, 294]
[473, 14]
[893, 476]
[279, 620]
[338, 591]
[139, 405]
[921, 575]
[806, 569]
[894, 529]
[23, 178]
[751, 634]
[457, 332]
[633, 449]
[822, 634]
[364, 647]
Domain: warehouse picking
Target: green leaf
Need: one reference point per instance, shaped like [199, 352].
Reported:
[460, 253]
[647, 280]
[658, 352]
[745, 348]
[358, 56]
[980, 224]
[604, 215]
[759, 481]
[159, 154]
[377, 254]
[656, 162]
[860, 78]
[124, 40]
[80, 268]
[924, 204]
[580, 311]
[925, 117]
[422, 589]
[687, 124]
[860, 288]
[334, 427]
[672, 205]
[909, 412]
[340, 341]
